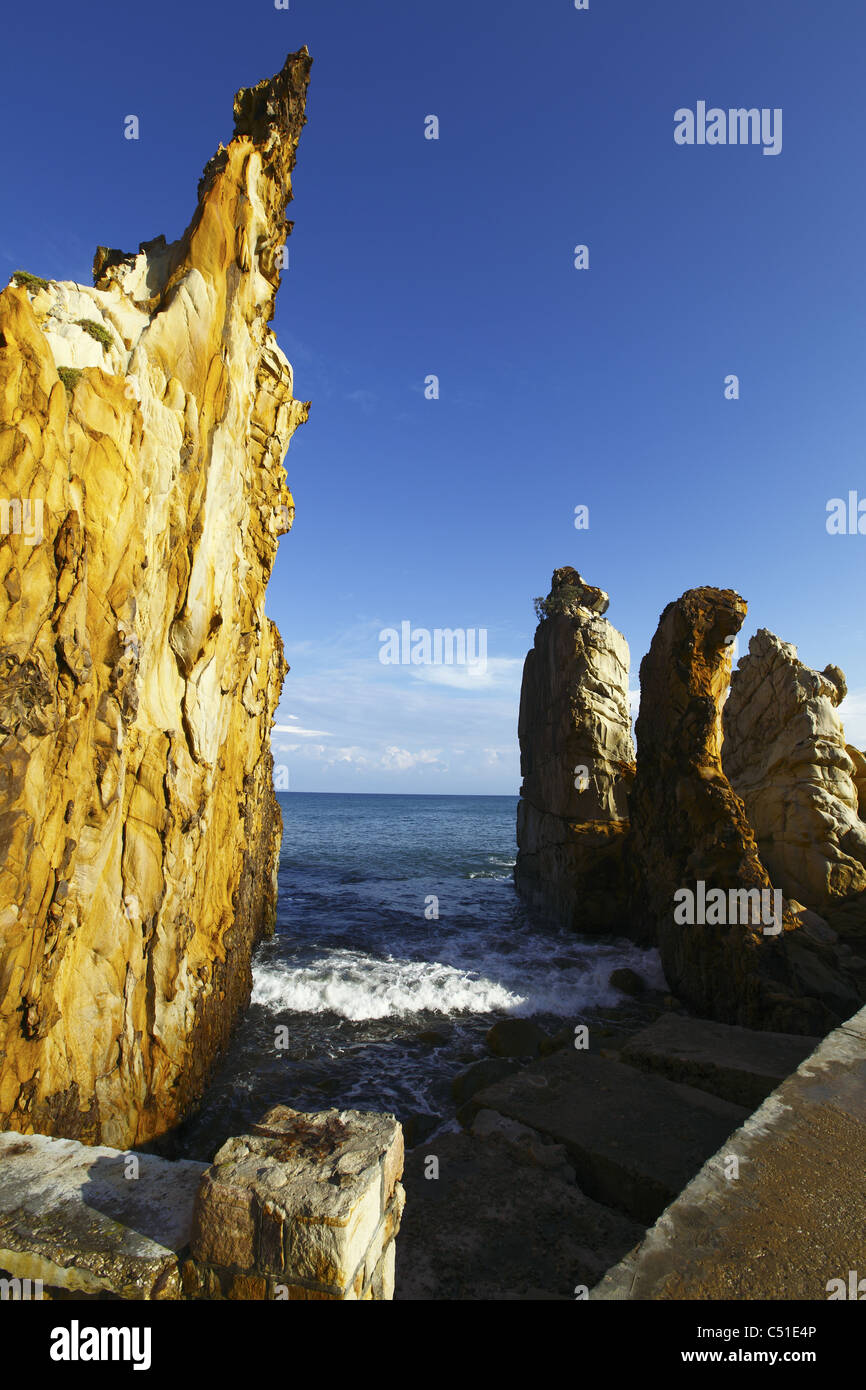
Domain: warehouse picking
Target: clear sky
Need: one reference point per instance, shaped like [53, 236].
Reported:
[559, 387]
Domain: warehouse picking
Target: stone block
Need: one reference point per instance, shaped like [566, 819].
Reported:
[742, 1065]
[789, 1220]
[633, 1139]
[300, 1200]
[74, 1216]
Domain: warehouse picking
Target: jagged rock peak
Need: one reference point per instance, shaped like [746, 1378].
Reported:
[143, 425]
[571, 595]
[274, 107]
[268, 120]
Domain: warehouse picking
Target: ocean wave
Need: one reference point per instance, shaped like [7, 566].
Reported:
[358, 987]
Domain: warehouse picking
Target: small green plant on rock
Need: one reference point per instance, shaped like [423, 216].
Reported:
[563, 600]
[33, 283]
[70, 376]
[97, 331]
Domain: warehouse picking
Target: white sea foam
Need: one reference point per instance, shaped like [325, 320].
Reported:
[358, 986]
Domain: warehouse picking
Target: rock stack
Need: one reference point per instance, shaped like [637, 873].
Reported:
[730, 959]
[729, 889]
[577, 759]
[786, 756]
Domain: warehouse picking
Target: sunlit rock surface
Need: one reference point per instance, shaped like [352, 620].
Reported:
[577, 758]
[688, 827]
[785, 755]
[139, 675]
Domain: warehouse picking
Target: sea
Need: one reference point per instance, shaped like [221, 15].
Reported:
[400, 941]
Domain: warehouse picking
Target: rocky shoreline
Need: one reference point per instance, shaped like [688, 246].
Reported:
[673, 846]
[567, 1154]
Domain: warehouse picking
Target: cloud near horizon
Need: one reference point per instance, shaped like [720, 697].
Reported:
[358, 725]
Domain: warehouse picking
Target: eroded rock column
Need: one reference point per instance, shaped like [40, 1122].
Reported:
[785, 755]
[577, 758]
[691, 843]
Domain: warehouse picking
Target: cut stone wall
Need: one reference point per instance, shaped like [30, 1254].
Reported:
[306, 1207]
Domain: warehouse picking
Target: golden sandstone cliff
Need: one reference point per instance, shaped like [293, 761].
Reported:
[145, 421]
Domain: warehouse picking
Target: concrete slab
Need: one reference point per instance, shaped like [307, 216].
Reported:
[75, 1217]
[742, 1065]
[793, 1220]
[634, 1139]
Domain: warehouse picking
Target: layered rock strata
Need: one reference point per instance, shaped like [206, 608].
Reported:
[785, 755]
[690, 838]
[576, 758]
[146, 420]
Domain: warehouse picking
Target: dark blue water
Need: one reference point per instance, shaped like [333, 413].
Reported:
[365, 999]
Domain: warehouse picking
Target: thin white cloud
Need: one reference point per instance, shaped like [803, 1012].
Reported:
[398, 726]
[498, 672]
[402, 759]
[301, 733]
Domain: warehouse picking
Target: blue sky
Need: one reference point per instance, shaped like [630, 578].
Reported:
[558, 387]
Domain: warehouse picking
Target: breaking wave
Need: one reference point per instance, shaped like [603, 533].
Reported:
[357, 986]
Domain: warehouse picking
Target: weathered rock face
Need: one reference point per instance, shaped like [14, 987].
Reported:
[139, 675]
[577, 758]
[858, 777]
[690, 832]
[785, 755]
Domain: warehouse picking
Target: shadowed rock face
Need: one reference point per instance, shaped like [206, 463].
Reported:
[576, 757]
[785, 755]
[139, 675]
[688, 825]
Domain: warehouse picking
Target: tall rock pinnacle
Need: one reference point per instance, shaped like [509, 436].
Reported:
[577, 760]
[145, 422]
[785, 755]
[691, 839]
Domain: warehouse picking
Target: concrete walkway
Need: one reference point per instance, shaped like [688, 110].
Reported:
[793, 1220]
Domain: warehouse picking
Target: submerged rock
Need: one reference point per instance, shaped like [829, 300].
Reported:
[785, 755]
[576, 758]
[139, 675]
